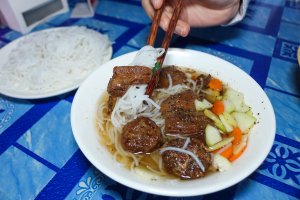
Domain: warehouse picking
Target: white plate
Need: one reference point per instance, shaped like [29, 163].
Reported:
[83, 114]
[5, 51]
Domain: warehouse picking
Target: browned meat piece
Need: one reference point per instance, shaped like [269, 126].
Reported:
[125, 76]
[186, 123]
[203, 80]
[183, 165]
[180, 115]
[141, 135]
[111, 103]
[183, 101]
[177, 76]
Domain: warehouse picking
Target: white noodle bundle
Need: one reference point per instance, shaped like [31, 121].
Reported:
[50, 60]
[132, 104]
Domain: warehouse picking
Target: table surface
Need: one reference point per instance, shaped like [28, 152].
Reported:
[40, 159]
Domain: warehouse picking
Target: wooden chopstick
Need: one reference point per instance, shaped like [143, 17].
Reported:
[154, 26]
[165, 44]
[168, 37]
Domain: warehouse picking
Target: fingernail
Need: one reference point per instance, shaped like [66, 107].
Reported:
[179, 30]
[182, 31]
[156, 2]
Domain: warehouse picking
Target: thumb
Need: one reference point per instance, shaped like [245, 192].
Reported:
[157, 3]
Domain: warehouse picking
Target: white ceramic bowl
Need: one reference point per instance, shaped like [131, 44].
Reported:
[83, 114]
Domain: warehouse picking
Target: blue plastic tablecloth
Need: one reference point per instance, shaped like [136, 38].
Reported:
[39, 158]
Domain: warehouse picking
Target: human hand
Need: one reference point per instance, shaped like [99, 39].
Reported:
[195, 13]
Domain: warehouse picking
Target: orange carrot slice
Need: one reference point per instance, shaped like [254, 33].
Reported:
[227, 152]
[237, 134]
[215, 84]
[233, 157]
[218, 107]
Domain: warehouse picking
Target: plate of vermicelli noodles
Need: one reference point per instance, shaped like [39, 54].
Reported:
[206, 126]
[51, 62]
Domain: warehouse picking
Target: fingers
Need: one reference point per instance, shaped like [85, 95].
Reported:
[148, 7]
[182, 28]
[157, 3]
[151, 5]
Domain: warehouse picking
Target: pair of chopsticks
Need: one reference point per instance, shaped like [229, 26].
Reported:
[165, 44]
